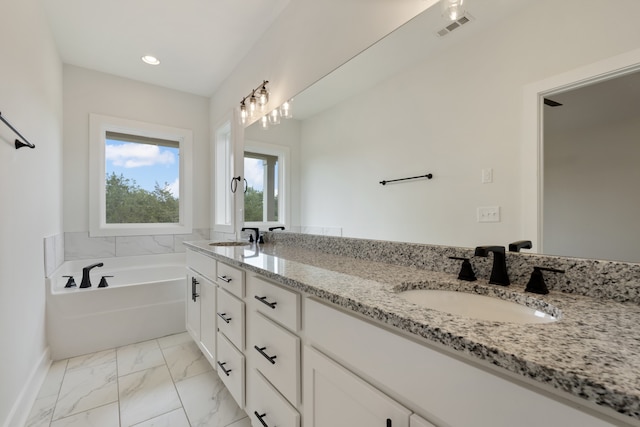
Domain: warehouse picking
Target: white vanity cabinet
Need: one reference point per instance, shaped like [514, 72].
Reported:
[231, 368]
[201, 303]
[230, 313]
[291, 361]
[335, 397]
[273, 353]
[432, 383]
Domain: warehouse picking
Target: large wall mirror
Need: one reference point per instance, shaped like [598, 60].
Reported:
[454, 106]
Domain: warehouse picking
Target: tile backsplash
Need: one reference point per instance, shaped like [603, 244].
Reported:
[78, 245]
[53, 253]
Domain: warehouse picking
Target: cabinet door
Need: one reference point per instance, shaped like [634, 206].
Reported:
[208, 318]
[338, 398]
[193, 305]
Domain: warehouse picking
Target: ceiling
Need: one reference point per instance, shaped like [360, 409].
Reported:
[199, 42]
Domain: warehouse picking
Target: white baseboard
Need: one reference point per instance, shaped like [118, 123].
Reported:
[20, 411]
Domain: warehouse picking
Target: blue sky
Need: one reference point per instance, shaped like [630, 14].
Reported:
[144, 163]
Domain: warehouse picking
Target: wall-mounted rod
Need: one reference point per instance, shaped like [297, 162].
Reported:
[428, 176]
[19, 144]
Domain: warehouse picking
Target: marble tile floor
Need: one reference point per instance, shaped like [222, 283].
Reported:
[165, 382]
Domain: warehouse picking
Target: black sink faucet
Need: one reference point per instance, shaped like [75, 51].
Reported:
[499, 275]
[520, 244]
[255, 230]
[86, 282]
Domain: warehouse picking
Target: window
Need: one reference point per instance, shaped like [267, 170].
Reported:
[223, 172]
[140, 181]
[264, 171]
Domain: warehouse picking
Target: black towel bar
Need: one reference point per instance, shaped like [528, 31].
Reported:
[19, 144]
[428, 176]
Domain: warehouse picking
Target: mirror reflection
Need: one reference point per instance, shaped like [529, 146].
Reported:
[451, 105]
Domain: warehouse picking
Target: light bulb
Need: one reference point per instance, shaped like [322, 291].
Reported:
[264, 121]
[244, 115]
[274, 117]
[452, 9]
[253, 104]
[263, 96]
[285, 110]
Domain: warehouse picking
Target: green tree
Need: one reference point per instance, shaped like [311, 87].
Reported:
[253, 205]
[128, 203]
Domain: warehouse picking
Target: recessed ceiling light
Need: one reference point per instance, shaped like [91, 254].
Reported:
[151, 60]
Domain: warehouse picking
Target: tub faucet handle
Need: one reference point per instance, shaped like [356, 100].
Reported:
[71, 283]
[103, 282]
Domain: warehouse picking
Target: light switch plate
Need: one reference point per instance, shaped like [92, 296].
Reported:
[489, 214]
[487, 176]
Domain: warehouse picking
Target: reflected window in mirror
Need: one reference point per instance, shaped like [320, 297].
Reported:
[264, 197]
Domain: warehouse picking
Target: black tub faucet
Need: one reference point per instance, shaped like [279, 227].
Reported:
[86, 282]
[499, 275]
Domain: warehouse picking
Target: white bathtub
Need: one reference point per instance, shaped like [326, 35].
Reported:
[145, 300]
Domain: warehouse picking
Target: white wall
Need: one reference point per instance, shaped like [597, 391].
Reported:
[451, 115]
[593, 171]
[87, 91]
[31, 189]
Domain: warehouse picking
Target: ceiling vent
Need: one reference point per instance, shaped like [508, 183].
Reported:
[455, 25]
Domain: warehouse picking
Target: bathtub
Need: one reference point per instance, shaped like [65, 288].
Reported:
[145, 300]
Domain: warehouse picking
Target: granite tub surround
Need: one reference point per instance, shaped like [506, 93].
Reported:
[592, 352]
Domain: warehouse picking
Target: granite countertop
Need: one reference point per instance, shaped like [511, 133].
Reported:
[592, 352]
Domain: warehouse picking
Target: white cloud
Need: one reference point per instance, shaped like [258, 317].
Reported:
[174, 188]
[254, 173]
[130, 155]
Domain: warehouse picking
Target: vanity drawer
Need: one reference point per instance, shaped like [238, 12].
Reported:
[231, 279]
[230, 312]
[275, 302]
[230, 368]
[275, 352]
[202, 264]
[266, 406]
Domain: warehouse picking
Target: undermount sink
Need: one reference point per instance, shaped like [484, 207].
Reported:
[476, 306]
[229, 244]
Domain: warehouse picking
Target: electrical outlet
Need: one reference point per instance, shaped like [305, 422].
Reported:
[489, 214]
[487, 176]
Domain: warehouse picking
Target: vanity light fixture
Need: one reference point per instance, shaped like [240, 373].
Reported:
[258, 98]
[285, 110]
[150, 59]
[452, 9]
[274, 117]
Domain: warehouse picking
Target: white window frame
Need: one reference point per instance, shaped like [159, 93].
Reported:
[283, 154]
[99, 125]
